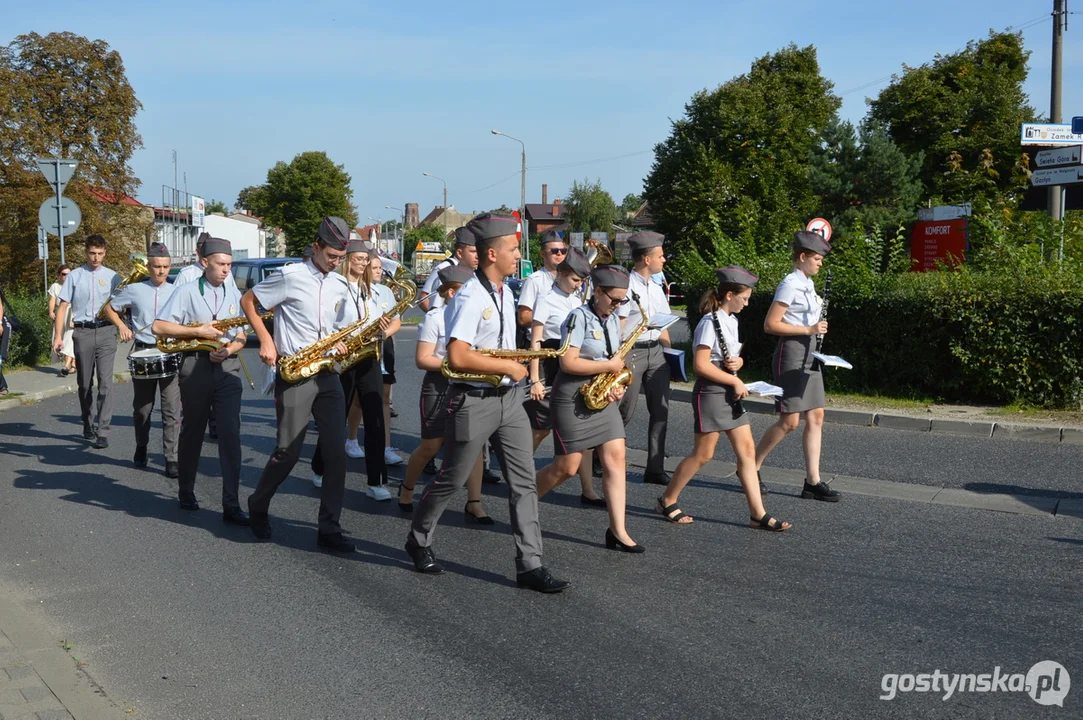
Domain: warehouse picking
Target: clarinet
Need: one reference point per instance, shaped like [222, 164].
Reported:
[737, 405]
[823, 316]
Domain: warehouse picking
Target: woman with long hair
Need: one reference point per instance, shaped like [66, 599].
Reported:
[430, 353]
[68, 351]
[716, 399]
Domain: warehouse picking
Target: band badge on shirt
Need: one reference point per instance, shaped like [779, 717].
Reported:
[487, 313]
[597, 334]
[338, 306]
[384, 305]
[232, 309]
[101, 281]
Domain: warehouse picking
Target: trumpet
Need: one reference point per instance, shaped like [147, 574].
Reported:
[139, 269]
[516, 355]
[596, 391]
[175, 345]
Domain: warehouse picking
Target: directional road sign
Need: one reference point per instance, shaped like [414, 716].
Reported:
[69, 215]
[57, 172]
[1057, 176]
[1070, 155]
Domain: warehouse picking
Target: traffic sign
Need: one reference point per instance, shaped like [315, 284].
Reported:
[57, 172]
[1057, 176]
[1071, 155]
[1077, 125]
[821, 226]
[70, 215]
[43, 244]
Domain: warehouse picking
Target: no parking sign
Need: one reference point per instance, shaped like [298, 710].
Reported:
[820, 226]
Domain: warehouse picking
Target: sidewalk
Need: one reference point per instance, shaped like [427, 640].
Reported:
[31, 386]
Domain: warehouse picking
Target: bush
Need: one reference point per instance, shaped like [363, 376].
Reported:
[31, 342]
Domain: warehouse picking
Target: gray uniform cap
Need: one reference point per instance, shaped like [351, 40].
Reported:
[736, 275]
[492, 225]
[610, 276]
[807, 241]
[577, 262]
[454, 274]
[551, 236]
[213, 245]
[334, 232]
[157, 249]
[356, 246]
[463, 236]
[646, 240]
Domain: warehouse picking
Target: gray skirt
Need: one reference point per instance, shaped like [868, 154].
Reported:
[793, 366]
[538, 411]
[434, 408]
[575, 427]
[711, 410]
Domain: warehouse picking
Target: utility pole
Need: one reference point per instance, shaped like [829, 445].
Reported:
[1060, 23]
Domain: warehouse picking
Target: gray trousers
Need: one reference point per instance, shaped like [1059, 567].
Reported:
[95, 352]
[204, 385]
[320, 397]
[649, 371]
[143, 405]
[473, 419]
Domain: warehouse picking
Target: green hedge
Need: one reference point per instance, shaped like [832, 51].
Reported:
[955, 336]
[30, 343]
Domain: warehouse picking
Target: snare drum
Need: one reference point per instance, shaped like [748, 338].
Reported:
[151, 364]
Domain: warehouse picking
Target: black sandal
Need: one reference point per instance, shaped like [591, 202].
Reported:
[479, 519]
[407, 508]
[666, 511]
[764, 523]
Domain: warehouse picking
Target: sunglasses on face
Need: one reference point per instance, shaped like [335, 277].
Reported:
[623, 301]
[558, 251]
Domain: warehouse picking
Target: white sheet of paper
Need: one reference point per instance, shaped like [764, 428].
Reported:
[764, 389]
[270, 372]
[832, 361]
[660, 321]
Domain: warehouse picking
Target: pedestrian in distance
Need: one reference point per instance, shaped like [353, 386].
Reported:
[67, 352]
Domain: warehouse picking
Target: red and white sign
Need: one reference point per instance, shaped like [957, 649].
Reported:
[938, 242]
[821, 226]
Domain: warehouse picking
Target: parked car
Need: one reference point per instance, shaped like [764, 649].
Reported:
[248, 272]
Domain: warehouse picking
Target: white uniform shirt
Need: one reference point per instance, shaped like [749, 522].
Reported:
[799, 293]
[203, 303]
[536, 286]
[309, 305]
[86, 291]
[654, 301]
[474, 317]
[432, 282]
[145, 300]
[188, 273]
[432, 331]
[383, 299]
[706, 335]
[551, 309]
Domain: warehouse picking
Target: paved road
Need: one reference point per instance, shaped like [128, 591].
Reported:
[181, 617]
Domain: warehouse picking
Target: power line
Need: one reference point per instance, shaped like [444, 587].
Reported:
[498, 182]
[589, 162]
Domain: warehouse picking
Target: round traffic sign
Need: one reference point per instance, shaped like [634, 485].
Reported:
[821, 226]
[69, 215]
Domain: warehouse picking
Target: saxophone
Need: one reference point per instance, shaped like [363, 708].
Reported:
[309, 361]
[175, 345]
[139, 269]
[367, 343]
[596, 391]
[516, 355]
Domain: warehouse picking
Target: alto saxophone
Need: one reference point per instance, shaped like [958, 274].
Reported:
[516, 355]
[310, 360]
[596, 391]
[139, 269]
[367, 342]
[175, 345]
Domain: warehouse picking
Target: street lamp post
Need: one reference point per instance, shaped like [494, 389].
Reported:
[402, 228]
[525, 250]
[445, 200]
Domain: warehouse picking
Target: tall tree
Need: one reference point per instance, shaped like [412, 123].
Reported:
[965, 103]
[631, 203]
[737, 162]
[590, 207]
[64, 95]
[298, 195]
[216, 206]
[252, 199]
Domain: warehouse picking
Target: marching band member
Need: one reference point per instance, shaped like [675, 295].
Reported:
[548, 315]
[594, 331]
[795, 317]
[143, 300]
[464, 253]
[353, 269]
[95, 341]
[191, 273]
[540, 282]
[310, 301]
[208, 379]
[431, 350]
[482, 317]
[648, 364]
[716, 398]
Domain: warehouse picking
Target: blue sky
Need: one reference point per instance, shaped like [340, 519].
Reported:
[392, 90]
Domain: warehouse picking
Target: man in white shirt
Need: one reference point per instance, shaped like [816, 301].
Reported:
[553, 252]
[465, 253]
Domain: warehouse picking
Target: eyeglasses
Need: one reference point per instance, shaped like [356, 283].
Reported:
[558, 251]
[623, 301]
[64, 274]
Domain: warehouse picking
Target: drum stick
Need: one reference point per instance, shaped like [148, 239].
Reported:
[246, 374]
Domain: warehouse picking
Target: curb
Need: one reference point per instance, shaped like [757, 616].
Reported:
[36, 397]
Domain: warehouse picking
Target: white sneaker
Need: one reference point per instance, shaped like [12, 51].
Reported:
[317, 480]
[378, 492]
[391, 457]
[354, 450]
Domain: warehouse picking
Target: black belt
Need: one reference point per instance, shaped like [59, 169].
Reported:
[646, 344]
[486, 392]
[94, 325]
[145, 346]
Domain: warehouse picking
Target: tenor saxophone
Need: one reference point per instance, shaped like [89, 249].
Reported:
[310, 360]
[516, 355]
[596, 391]
[139, 269]
[175, 345]
[367, 342]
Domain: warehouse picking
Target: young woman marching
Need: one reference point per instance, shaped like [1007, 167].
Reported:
[795, 317]
[431, 349]
[548, 316]
[716, 399]
[594, 330]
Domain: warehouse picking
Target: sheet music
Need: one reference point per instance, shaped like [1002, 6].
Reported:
[660, 321]
[832, 361]
[764, 389]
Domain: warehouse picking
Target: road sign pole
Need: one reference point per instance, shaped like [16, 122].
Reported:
[43, 251]
[59, 211]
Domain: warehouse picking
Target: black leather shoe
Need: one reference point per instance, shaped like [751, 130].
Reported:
[541, 580]
[424, 560]
[212, 431]
[820, 491]
[394, 413]
[612, 543]
[101, 443]
[188, 502]
[490, 477]
[140, 458]
[431, 468]
[261, 526]
[89, 434]
[335, 543]
[236, 516]
[656, 478]
[172, 470]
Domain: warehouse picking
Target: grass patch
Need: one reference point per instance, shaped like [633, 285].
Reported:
[11, 395]
[1021, 412]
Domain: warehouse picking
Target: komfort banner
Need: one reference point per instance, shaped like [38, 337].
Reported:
[942, 242]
